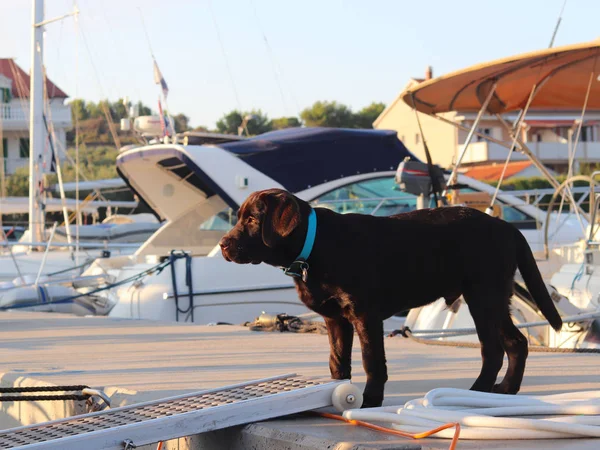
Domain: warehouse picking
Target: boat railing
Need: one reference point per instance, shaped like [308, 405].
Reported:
[539, 198]
[376, 202]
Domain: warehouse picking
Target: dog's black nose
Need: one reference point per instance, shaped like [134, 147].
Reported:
[224, 242]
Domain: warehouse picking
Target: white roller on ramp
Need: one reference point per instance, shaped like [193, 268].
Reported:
[185, 415]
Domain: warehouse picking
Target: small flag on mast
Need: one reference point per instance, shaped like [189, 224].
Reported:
[159, 79]
[163, 119]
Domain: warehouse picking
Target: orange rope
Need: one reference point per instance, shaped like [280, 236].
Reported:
[159, 446]
[398, 432]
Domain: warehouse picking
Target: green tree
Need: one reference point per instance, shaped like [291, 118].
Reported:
[93, 110]
[105, 105]
[181, 123]
[79, 110]
[328, 114]
[366, 116]
[285, 122]
[230, 122]
[119, 109]
[17, 184]
[143, 110]
[256, 122]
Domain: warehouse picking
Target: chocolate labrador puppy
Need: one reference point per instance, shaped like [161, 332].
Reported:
[357, 270]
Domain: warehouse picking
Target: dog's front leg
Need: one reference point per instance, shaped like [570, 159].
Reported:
[340, 333]
[370, 334]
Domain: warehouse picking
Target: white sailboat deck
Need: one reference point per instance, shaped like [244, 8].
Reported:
[150, 360]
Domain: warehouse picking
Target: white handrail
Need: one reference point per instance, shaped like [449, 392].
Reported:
[452, 332]
[106, 245]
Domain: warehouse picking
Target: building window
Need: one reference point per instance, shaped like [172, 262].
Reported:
[5, 153]
[486, 131]
[5, 95]
[417, 138]
[23, 148]
[587, 134]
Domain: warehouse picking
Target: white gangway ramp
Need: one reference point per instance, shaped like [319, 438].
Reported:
[184, 415]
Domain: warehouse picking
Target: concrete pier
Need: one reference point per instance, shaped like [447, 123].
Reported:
[136, 361]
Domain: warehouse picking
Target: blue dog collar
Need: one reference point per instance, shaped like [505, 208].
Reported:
[311, 233]
[299, 268]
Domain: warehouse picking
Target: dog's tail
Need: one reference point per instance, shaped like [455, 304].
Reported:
[535, 284]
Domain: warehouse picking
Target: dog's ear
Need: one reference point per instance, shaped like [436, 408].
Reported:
[281, 217]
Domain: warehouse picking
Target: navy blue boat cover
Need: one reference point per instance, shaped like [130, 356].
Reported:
[299, 158]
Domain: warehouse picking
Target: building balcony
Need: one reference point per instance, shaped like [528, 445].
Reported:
[547, 152]
[15, 116]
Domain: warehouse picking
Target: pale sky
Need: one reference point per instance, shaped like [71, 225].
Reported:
[351, 51]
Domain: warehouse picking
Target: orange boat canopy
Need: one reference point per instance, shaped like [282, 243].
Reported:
[563, 74]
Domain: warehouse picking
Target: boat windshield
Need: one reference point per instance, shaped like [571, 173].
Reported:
[378, 197]
[222, 221]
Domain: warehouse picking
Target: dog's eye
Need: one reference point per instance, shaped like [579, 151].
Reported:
[251, 220]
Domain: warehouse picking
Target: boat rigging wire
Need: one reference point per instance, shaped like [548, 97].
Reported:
[557, 24]
[224, 53]
[274, 65]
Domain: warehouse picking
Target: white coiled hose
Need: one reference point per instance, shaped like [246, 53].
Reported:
[493, 416]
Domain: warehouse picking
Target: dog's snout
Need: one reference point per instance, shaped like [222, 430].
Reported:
[225, 242]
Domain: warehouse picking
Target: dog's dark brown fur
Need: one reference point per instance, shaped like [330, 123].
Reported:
[364, 269]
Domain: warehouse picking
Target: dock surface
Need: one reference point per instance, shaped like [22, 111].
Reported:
[158, 359]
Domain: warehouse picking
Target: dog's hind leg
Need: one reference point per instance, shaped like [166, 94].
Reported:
[488, 330]
[341, 334]
[515, 346]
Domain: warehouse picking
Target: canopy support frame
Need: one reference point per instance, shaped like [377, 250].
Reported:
[472, 132]
[521, 146]
[516, 127]
[467, 129]
[507, 146]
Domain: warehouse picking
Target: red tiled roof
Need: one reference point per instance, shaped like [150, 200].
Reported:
[492, 172]
[11, 70]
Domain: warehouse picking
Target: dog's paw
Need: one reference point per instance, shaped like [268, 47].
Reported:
[480, 387]
[372, 401]
[503, 388]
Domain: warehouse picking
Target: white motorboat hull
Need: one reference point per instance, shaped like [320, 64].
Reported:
[221, 292]
[428, 322]
[126, 233]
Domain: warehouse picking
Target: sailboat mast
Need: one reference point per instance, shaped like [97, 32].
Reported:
[36, 125]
